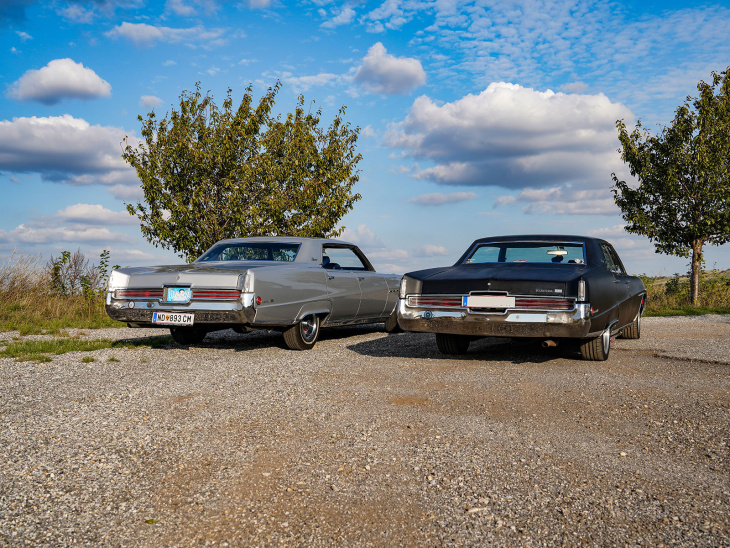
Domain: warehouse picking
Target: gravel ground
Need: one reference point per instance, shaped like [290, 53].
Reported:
[371, 440]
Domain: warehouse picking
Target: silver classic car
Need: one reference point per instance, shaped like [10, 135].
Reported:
[542, 287]
[295, 285]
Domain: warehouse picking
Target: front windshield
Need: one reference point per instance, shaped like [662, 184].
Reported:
[260, 251]
[528, 252]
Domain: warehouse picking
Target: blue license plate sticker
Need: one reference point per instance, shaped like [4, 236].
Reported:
[178, 294]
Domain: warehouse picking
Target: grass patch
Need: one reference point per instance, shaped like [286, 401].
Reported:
[29, 303]
[669, 296]
[41, 351]
[88, 359]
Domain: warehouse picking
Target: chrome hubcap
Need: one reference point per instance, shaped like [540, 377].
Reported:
[308, 328]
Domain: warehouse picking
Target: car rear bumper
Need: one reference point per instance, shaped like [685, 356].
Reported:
[140, 312]
[575, 323]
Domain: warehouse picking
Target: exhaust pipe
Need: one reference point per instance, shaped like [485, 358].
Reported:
[548, 343]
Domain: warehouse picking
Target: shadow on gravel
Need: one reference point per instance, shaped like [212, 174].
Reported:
[423, 345]
[242, 342]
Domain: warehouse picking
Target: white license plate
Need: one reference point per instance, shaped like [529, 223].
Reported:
[178, 294]
[488, 301]
[172, 318]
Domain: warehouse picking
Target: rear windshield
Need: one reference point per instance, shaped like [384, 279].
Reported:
[528, 252]
[252, 252]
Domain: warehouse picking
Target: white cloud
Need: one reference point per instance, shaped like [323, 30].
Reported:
[344, 17]
[77, 224]
[382, 72]
[28, 235]
[362, 236]
[563, 201]
[391, 14]
[514, 137]
[439, 198]
[257, 4]
[77, 14]
[64, 149]
[300, 84]
[128, 193]
[429, 250]
[142, 34]
[94, 214]
[59, 79]
[24, 36]
[149, 101]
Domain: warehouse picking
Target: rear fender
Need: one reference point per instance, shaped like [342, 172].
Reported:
[318, 308]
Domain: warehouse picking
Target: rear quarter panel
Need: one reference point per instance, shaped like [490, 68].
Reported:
[286, 291]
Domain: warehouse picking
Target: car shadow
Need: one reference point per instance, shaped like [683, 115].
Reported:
[490, 349]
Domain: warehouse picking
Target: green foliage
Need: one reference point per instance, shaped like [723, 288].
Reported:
[683, 198]
[37, 298]
[210, 173]
[671, 296]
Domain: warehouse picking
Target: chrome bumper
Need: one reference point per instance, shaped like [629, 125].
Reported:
[575, 323]
[239, 312]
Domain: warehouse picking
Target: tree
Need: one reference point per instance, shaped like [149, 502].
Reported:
[682, 201]
[210, 173]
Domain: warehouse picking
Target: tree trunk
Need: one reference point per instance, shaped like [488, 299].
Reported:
[696, 270]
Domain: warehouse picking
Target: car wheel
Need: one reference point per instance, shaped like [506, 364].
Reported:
[304, 334]
[597, 349]
[633, 331]
[188, 335]
[391, 324]
[452, 344]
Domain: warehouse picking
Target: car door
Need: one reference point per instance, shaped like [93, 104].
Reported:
[343, 286]
[621, 282]
[374, 294]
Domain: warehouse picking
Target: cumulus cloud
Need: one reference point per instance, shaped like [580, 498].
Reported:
[439, 198]
[149, 101]
[94, 214]
[59, 79]
[64, 149]
[344, 17]
[382, 72]
[513, 137]
[429, 250]
[24, 234]
[77, 224]
[142, 34]
[563, 201]
[362, 236]
[300, 84]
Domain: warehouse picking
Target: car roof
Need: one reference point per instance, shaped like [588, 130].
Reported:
[537, 238]
[282, 239]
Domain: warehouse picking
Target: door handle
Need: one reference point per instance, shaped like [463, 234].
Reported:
[330, 277]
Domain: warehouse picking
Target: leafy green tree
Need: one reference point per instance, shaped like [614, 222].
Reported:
[210, 173]
[682, 201]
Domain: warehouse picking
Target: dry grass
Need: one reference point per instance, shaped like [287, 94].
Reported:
[670, 296]
[29, 305]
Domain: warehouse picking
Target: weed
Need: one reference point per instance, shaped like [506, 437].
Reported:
[112, 359]
[88, 359]
[39, 350]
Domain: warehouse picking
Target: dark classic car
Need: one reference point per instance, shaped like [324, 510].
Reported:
[537, 287]
[295, 285]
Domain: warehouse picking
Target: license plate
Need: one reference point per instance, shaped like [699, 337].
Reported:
[172, 318]
[178, 294]
[488, 301]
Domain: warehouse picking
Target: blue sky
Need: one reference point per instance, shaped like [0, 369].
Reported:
[477, 118]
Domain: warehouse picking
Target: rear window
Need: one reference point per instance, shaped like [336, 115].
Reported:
[252, 252]
[528, 252]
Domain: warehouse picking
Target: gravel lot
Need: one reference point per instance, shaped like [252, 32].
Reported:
[371, 440]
